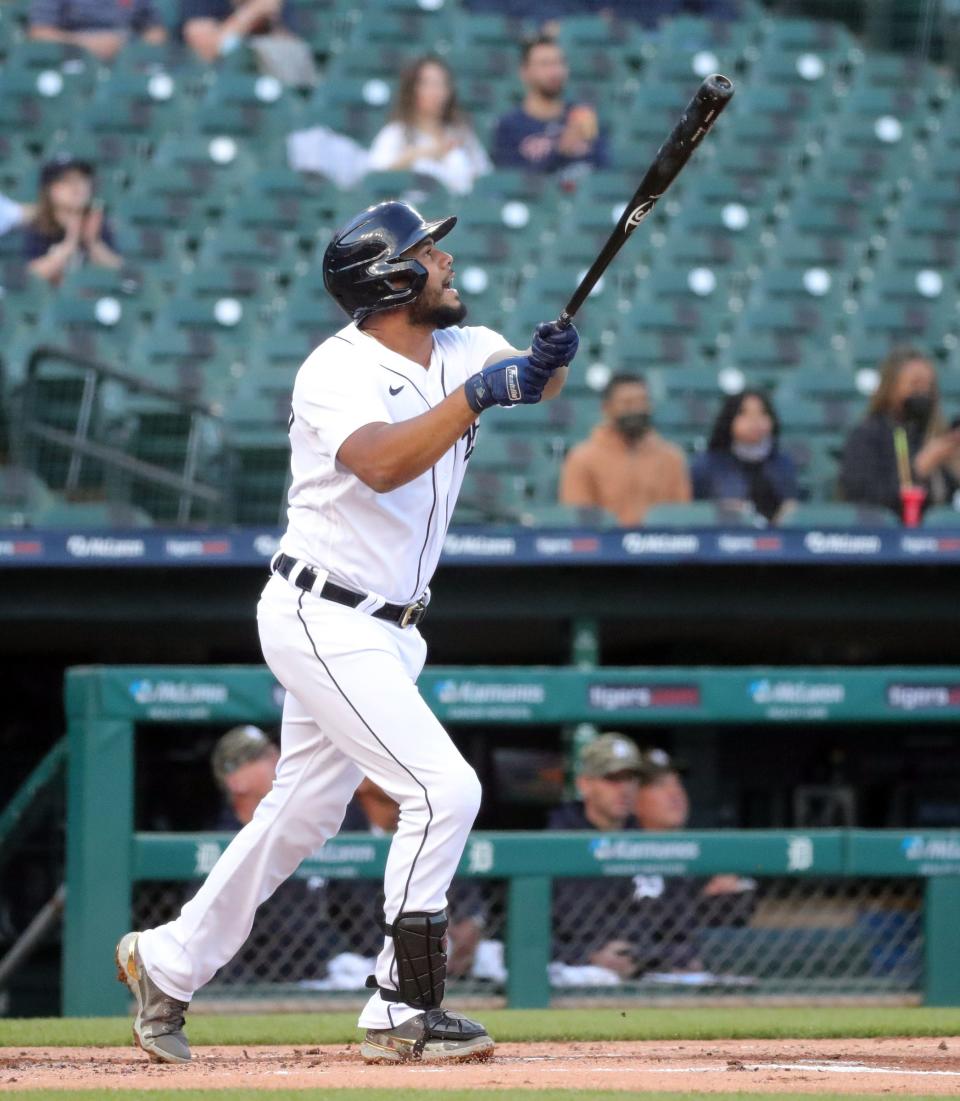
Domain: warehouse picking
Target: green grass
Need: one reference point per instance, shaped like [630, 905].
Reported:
[519, 1025]
[435, 1095]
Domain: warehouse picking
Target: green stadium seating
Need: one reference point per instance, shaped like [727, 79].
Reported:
[22, 495]
[90, 514]
[553, 515]
[266, 250]
[837, 514]
[699, 514]
[210, 162]
[809, 35]
[192, 164]
[33, 104]
[943, 516]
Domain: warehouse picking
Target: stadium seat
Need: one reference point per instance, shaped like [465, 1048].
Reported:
[699, 514]
[172, 438]
[552, 515]
[812, 35]
[91, 514]
[943, 516]
[837, 514]
[265, 250]
[33, 104]
[22, 496]
[217, 162]
[493, 495]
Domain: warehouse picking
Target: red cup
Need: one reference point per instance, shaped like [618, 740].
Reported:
[911, 500]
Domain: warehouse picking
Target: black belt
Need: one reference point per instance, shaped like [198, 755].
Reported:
[403, 615]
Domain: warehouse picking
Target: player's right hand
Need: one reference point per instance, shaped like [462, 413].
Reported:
[514, 381]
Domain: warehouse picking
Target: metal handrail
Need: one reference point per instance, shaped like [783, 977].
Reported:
[80, 446]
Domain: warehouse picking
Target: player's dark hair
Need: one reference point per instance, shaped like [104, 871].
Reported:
[528, 45]
[622, 379]
[721, 437]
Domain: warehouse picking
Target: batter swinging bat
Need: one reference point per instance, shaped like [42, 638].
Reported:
[701, 113]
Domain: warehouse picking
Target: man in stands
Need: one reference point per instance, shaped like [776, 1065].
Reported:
[548, 132]
[625, 466]
[101, 27]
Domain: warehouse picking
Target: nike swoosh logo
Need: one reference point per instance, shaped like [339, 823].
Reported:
[393, 393]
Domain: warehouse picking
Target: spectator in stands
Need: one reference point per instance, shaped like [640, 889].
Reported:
[244, 764]
[548, 132]
[907, 401]
[428, 132]
[212, 28]
[662, 804]
[625, 466]
[297, 916]
[648, 923]
[608, 777]
[13, 214]
[68, 227]
[100, 26]
[743, 466]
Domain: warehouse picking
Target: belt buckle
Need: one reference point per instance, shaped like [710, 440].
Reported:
[412, 614]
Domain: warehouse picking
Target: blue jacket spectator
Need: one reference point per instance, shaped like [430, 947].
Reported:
[68, 228]
[548, 132]
[743, 463]
[99, 26]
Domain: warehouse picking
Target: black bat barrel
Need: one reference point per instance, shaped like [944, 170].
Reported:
[695, 122]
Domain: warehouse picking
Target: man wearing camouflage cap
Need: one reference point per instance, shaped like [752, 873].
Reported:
[608, 777]
[244, 764]
[645, 923]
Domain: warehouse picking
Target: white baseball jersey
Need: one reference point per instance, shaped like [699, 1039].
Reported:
[387, 544]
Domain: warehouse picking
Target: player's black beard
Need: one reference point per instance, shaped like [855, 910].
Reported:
[437, 315]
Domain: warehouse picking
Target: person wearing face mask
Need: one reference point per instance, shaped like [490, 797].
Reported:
[905, 403]
[743, 465]
[625, 466]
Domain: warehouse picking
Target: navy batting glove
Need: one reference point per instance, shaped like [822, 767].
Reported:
[552, 346]
[515, 381]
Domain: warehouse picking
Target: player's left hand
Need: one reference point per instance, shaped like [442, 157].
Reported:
[552, 346]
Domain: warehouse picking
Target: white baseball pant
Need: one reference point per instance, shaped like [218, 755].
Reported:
[352, 708]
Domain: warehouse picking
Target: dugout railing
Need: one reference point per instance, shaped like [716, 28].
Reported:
[900, 892]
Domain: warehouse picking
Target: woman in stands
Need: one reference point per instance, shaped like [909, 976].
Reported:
[68, 228]
[743, 465]
[905, 405]
[428, 132]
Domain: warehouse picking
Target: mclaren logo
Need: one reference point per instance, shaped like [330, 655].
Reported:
[638, 213]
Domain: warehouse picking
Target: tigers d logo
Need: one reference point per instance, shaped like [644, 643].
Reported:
[638, 213]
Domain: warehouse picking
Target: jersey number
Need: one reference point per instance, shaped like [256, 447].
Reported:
[470, 439]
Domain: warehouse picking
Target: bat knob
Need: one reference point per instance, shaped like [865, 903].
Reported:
[564, 321]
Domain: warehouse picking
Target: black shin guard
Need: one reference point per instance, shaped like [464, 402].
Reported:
[421, 959]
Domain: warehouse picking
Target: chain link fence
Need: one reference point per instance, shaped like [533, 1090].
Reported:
[648, 937]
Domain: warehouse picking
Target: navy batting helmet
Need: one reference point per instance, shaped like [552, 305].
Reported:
[362, 261]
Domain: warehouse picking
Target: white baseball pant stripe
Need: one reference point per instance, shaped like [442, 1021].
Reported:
[352, 708]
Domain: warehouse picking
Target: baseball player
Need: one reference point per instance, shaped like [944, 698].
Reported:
[384, 418]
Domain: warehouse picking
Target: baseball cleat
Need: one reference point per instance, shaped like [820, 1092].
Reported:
[158, 1025]
[436, 1036]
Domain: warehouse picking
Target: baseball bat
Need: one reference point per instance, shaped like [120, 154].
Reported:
[701, 113]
